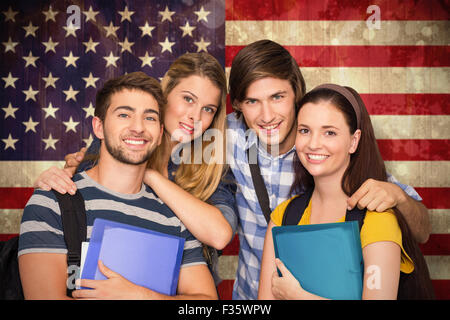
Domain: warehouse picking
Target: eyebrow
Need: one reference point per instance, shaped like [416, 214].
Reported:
[208, 105]
[278, 92]
[271, 95]
[330, 127]
[187, 91]
[128, 108]
[323, 127]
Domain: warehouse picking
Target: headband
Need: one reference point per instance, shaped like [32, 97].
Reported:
[348, 95]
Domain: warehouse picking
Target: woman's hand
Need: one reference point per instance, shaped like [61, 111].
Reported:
[208, 224]
[73, 160]
[285, 287]
[61, 179]
[57, 179]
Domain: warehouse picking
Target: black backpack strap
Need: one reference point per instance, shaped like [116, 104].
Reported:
[356, 215]
[258, 183]
[73, 216]
[295, 209]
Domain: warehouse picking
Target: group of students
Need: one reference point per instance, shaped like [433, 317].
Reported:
[322, 141]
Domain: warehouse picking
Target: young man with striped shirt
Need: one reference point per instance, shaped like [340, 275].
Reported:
[127, 121]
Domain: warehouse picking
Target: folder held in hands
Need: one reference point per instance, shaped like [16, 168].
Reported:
[325, 258]
[147, 258]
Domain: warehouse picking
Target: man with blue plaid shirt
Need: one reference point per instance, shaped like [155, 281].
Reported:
[265, 88]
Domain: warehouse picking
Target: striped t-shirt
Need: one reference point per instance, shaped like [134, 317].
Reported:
[41, 227]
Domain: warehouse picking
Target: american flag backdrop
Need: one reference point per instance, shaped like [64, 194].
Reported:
[51, 66]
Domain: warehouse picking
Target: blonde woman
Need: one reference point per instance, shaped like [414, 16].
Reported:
[197, 190]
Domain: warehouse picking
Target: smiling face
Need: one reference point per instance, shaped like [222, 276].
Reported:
[191, 106]
[269, 110]
[131, 129]
[324, 142]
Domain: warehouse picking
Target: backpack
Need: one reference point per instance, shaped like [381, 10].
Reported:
[73, 216]
[10, 286]
[295, 209]
[410, 286]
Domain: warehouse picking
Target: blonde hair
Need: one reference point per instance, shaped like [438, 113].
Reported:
[200, 180]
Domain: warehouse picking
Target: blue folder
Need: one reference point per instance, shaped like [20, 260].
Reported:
[147, 258]
[325, 258]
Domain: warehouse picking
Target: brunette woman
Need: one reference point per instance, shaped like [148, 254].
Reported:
[336, 152]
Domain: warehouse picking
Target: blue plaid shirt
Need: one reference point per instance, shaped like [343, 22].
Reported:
[278, 176]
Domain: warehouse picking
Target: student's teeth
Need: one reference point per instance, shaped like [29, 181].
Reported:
[271, 127]
[186, 127]
[134, 141]
[317, 157]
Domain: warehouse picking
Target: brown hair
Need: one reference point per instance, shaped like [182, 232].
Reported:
[130, 81]
[367, 163]
[263, 59]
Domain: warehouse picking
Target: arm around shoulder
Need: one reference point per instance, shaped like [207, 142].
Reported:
[206, 222]
[417, 218]
[381, 195]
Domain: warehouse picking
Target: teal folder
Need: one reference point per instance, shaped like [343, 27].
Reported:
[147, 258]
[325, 258]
